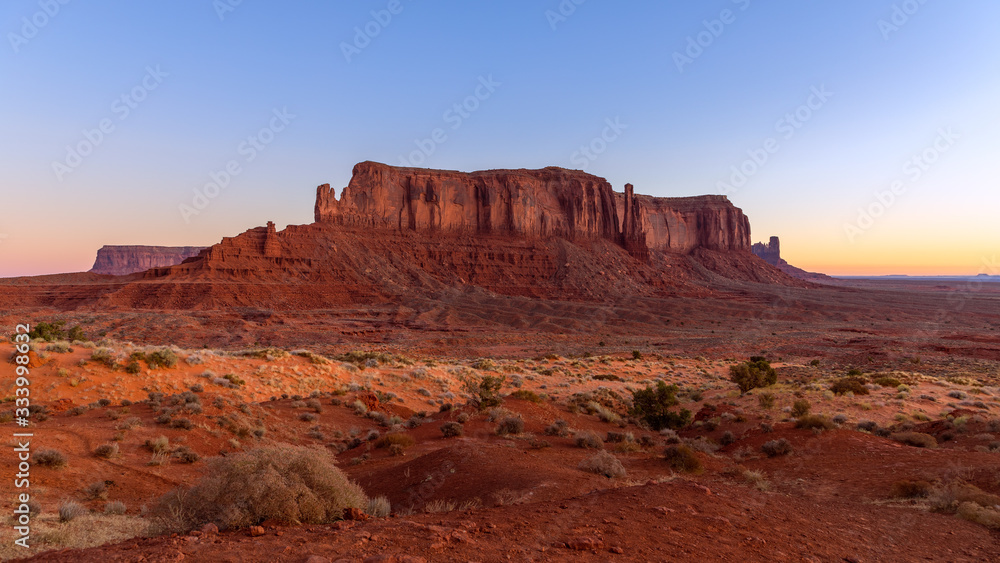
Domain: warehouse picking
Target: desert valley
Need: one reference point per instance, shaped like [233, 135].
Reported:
[506, 365]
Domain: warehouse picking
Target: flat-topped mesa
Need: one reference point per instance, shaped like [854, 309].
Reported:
[531, 203]
[120, 260]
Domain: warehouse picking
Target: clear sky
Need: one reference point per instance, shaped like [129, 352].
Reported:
[291, 95]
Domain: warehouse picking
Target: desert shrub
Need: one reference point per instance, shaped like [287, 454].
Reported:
[70, 510]
[839, 418]
[814, 421]
[558, 428]
[379, 507]
[308, 417]
[397, 439]
[158, 445]
[867, 425]
[915, 439]
[905, 488]
[115, 507]
[289, 484]
[682, 458]
[164, 357]
[510, 425]
[765, 400]
[727, 438]
[617, 437]
[197, 388]
[526, 395]
[800, 408]
[484, 391]
[603, 463]
[670, 436]
[588, 439]
[185, 455]
[130, 423]
[753, 374]
[182, 423]
[59, 348]
[973, 512]
[485, 364]
[49, 458]
[452, 429]
[887, 381]
[775, 448]
[845, 385]
[652, 405]
[103, 356]
[106, 451]
[814, 363]
[96, 490]
[636, 355]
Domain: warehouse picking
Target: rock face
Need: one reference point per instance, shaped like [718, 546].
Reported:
[124, 260]
[770, 252]
[534, 204]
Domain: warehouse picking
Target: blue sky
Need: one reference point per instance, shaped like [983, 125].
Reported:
[927, 74]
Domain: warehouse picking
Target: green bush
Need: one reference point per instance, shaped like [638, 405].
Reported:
[290, 484]
[753, 374]
[652, 405]
[800, 408]
[485, 391]
[48, 331]
[164, 357]
[854, 385]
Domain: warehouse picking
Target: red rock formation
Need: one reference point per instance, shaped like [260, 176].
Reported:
[771, 253]
[532, 203]
[124, 260]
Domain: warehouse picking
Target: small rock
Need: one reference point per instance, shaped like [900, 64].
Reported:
[616, 549]
[256, 531]
[210, 529]
[355, 514]
[584, 544]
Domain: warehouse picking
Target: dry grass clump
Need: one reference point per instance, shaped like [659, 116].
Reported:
[106, 451]
[814, 421]
[757, 478]
[915, 439]
[989, 517]
[70, 510]
[49, 458]
[905, 488]
[588, 439]
[510, 425]
[289, 484]
[682, 458]
[605, 464]
[379, 507]
[395, 439]
[775, 448]
[452, 429]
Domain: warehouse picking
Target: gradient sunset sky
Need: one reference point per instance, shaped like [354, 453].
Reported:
[848, 100]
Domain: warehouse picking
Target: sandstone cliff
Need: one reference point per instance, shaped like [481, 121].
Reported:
[531, 203]
[124, 260]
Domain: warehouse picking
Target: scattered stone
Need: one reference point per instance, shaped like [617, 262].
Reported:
[584, 543]
[256, 531]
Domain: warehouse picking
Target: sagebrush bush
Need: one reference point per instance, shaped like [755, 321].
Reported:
[484, 391]
[49, 458]
[652, 405]
[452, 429]
[905, 488]
[558, 428]
[814, 421]
[510, 425]
[106, 451]
[588, 439]
[915, 439]
[115, 507]
[526, 395]
[70, 510]
[682, 458]
[765, 400]
[290, 484]
[753, 374]
[164, 357]
[604, 463]
[397, 439]
[845, 385]
[800, 408]
[775, 448]
[96, 490]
